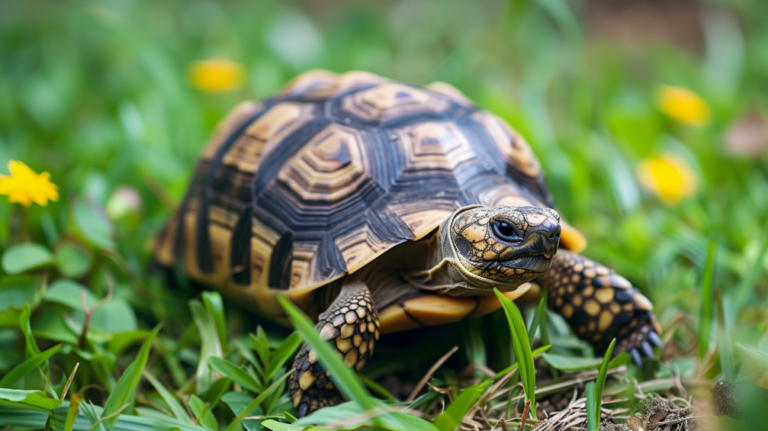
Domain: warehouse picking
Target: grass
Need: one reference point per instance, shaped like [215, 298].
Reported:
[97, 94]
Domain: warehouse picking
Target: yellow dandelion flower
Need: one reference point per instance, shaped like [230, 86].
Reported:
[667, 177]
[26, 186]
[682, 105]
[216, 75]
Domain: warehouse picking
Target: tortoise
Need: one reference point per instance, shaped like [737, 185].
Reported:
[380, 207]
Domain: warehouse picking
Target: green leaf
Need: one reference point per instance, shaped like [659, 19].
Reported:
[451, 418]
[31, 345]
[593, 421]
[571, 363]
[707, 302]
[23, 257]
[236, 373]
[522, 347]
[68, 293]
[72, 261]
[126, 385]
[758, 356]
[237, 402]
[32, 400]
[283, 354]
[203, 413]
[343, 377]
[16, 292]
[210, 346]
[176, 408]
[92, 225]
[215, 308]
[279, 426]
[257, 402]
[602, 375]
[26, 367]
[73, 411]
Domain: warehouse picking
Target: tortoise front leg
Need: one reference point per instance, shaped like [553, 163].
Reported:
[599, 305]
[352, 325]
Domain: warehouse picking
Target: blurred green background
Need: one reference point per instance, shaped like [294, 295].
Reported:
[98, 94]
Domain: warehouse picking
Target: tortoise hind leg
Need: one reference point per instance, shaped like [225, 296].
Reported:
[352, 325]
[600, 305]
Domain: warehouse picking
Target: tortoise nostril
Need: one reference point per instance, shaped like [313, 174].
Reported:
[552, 235]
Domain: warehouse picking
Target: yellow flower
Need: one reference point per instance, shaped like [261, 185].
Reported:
[216, 75]
[667, 177]
[25, 186]
[682, 105]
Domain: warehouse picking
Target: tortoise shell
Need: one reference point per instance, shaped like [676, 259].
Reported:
[295, 192]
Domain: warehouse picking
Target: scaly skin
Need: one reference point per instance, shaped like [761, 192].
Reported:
[599, 305]
[352, 325]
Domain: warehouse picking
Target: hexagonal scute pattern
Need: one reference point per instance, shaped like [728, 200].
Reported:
[314, 183]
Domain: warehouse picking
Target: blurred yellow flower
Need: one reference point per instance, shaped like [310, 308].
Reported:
[26, 186]
[682, 105]
[667, 177]
[216, 75]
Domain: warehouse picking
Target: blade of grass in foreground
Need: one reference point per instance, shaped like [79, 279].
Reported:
[601, 376]
[707, 299]
[592, 421]
[344, 378]
[451, 418]
[26, 367]
[126, 386]
[522, 347]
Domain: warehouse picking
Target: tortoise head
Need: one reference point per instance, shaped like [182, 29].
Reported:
[502, 246]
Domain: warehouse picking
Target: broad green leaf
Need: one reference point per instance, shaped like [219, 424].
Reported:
[203, 413]
[72, 261]
[218, 388]
[68, 293]
[279, 426]
[215, 308]
[126, 385]
[16, 292]
[236, 373]
[210, 348]
[602, 375]
[176, 408]
[451, 418]
[522, 347]
[343, 377]
[93, 225]
[237, 402]
[32, 400]
[353, 416]
[23, 257]
[27, 367]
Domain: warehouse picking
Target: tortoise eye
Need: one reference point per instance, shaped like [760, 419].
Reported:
[506, 230]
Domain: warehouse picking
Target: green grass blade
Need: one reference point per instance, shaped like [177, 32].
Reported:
[451, 418]
[602, 375]
[372, 385]
[522, 347]
[342, 376]
[707, 299]
[593, 423]
[210, 346]
[283, 354]
[28, 366]
[215, 308]
[236, 373]
[202, 413]
[126, 385]
[535, 353]
[257, 402]
[176, 408]
[724, 343]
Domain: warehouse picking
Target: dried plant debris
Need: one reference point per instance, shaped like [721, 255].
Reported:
[654, 413]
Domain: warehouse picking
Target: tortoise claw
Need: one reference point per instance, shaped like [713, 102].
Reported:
[636, 359]
[655, 339]
[647, 349]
